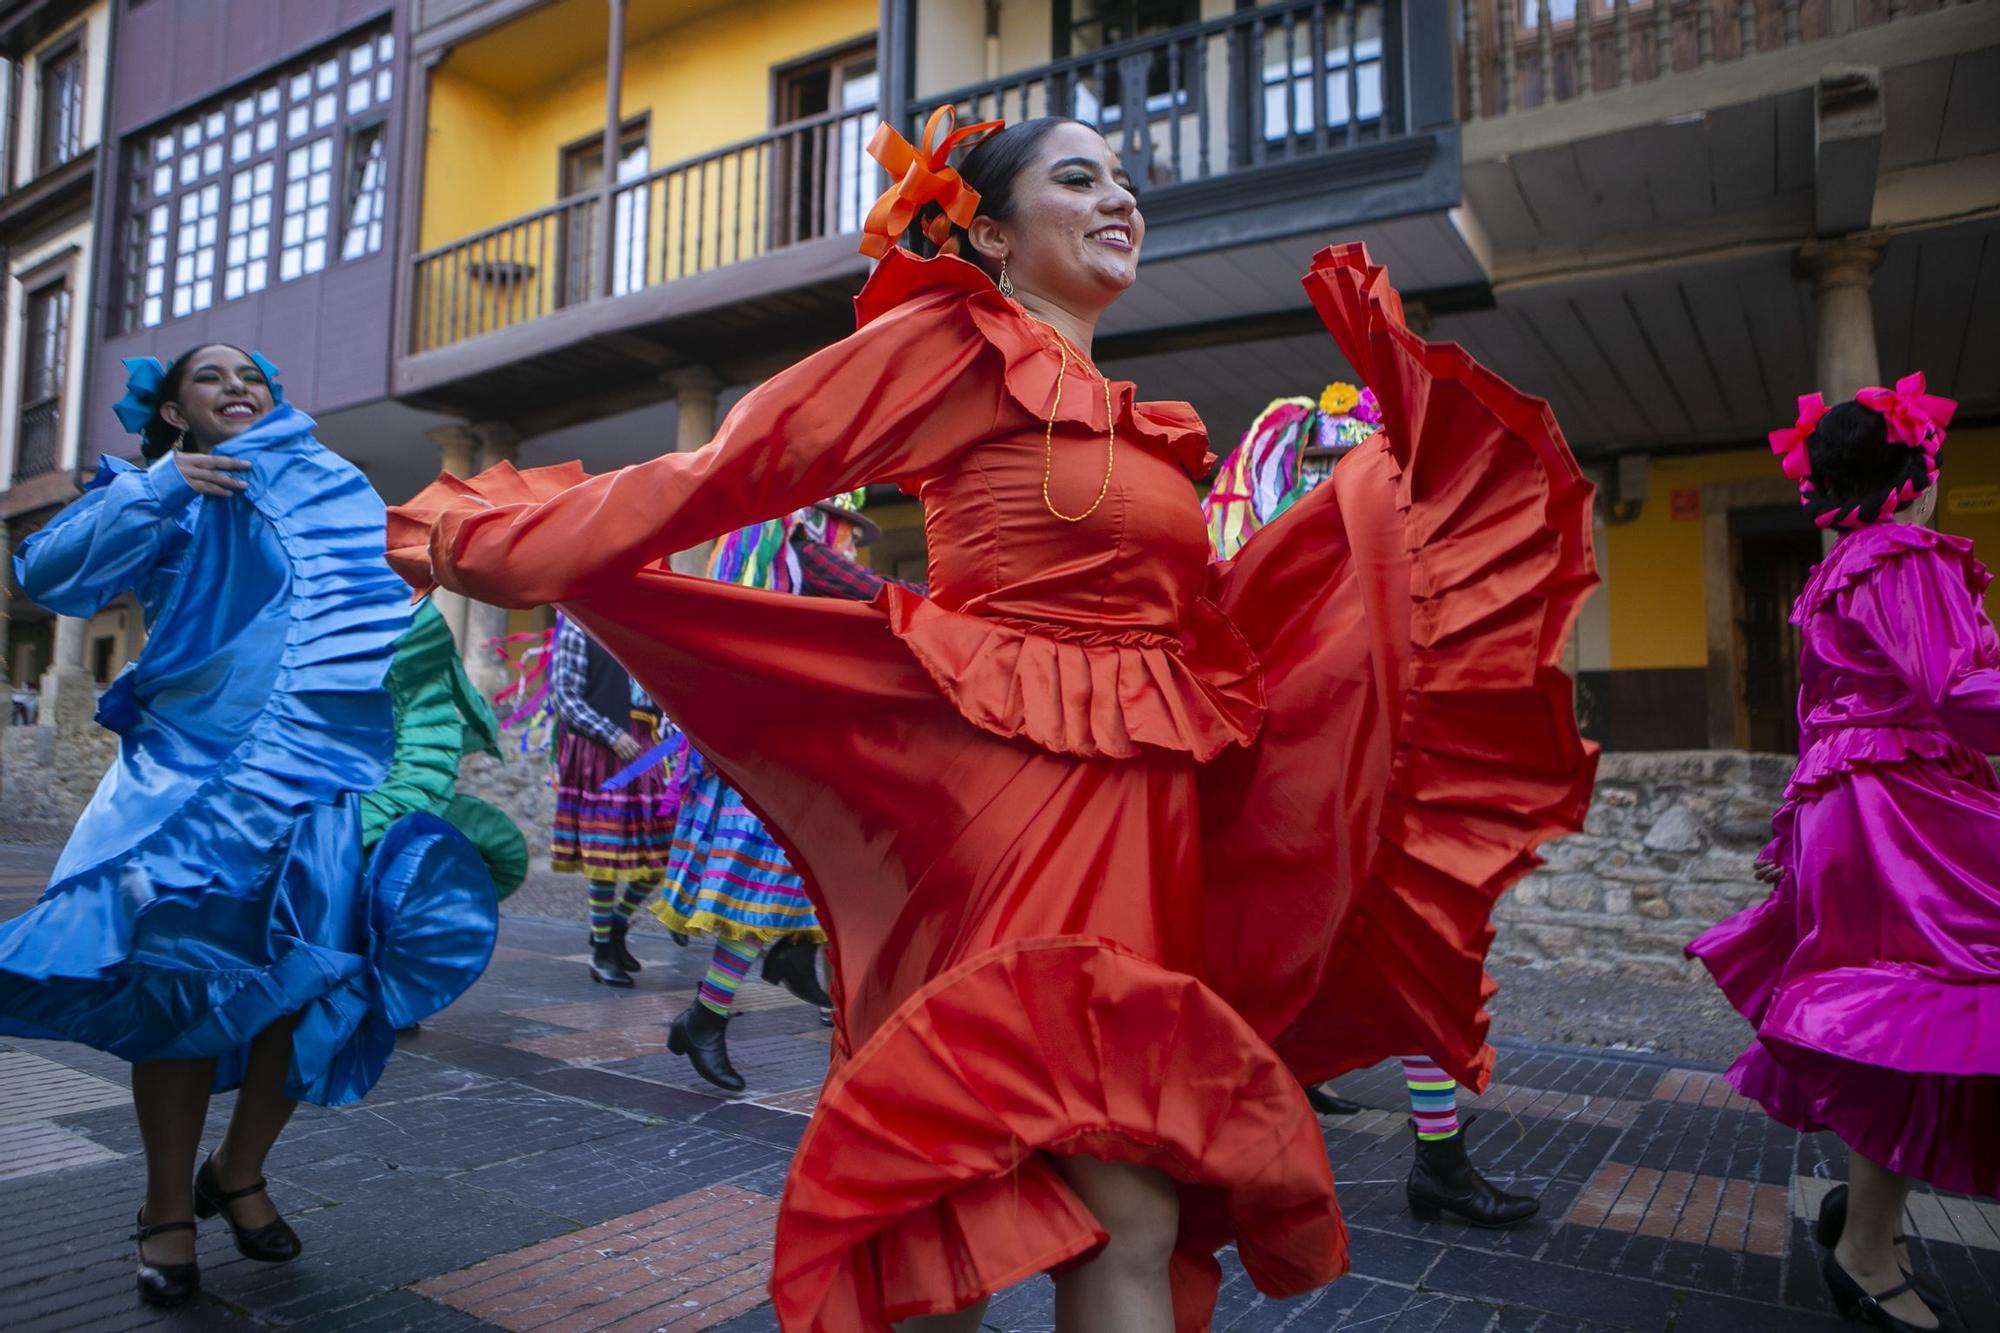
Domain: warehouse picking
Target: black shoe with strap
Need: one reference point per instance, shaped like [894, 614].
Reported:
[1443, 1180]
[273, 1243]
[1833, 1221]
[701, 1035]
[164, 1286]
[1857, 1303]
[1324, 1101]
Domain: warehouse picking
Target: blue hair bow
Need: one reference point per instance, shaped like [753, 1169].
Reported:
[145, 374]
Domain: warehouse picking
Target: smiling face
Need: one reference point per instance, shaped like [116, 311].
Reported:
[222, 393]
[1073, 231]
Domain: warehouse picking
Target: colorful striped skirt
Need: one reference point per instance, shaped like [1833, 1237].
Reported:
[608, 835]
[727, 877]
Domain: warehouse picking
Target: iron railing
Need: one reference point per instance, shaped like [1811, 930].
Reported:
[1519, 55]
[38, 450]
[1265, 85]
[806, 180]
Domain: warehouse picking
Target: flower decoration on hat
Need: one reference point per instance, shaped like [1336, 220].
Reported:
[923, 175]
[144, 377]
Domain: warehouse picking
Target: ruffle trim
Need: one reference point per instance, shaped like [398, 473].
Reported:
[440, 718]
[326, 728]
[409, 525]
[1090, 693]
[1872, 544]
[920, 1187]
[1488, 761]
[708, 923]
[1845, 749]
[1029, 356]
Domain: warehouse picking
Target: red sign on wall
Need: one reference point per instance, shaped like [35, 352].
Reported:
[1684, 504]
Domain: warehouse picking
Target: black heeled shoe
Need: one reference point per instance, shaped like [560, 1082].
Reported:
[791, 963]
[164, 1286]
[1833, 1222]
[1443, 1180]
[1863, 1306]
[1327, 1103]
[273, 1243]
[604, 967]
[701, 1035]
[618, 949]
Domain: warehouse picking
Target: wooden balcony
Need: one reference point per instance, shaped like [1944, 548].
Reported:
[1525, 55]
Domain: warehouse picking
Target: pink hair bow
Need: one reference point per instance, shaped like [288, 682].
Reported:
[1916, 418]
[1789, 444]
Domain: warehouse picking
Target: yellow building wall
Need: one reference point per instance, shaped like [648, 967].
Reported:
[703, 85]
[1652, 565]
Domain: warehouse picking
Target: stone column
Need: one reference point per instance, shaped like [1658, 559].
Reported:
[1842, 272]
[497, 443]
[69, 695]
[695, 392]
[455, 445]
[6, 611]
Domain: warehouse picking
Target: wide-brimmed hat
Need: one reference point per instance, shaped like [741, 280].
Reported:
[867, 528]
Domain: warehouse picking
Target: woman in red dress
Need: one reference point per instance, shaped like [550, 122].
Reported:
[1115, 847]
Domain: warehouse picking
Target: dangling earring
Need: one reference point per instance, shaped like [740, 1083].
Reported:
[1006, 283]
[181, 441]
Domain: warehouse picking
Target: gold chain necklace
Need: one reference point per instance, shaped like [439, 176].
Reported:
[1049, 433]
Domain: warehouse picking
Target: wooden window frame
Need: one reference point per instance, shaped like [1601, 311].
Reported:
[376, 119]
[786, 76]
[58, 279]
[49, 155]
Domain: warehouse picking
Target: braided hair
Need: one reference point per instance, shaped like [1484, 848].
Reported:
[1856, 467]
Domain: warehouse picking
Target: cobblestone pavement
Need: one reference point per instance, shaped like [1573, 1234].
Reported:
[533, 1159]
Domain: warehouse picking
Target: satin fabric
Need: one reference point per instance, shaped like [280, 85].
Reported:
[215, 883]
[1107, 839]
[1872, 972]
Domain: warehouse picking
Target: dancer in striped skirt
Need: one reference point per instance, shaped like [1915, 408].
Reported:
[728, 877]
[617, 840]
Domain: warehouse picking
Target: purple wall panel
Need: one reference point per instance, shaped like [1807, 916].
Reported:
[329, 331]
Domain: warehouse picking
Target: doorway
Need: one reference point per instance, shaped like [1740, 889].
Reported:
[1776, 548]
[582, 173]
[823, 180]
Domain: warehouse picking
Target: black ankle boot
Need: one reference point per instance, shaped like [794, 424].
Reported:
[701, 1035]
[1442, 1180]
[618, 949]
[791, 963]
[604, 966]
[165, 1286]
[273, 1243]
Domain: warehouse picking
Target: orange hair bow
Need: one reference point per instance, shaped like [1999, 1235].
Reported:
[923, 176]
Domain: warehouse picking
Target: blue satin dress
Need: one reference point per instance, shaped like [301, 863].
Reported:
[216, 882]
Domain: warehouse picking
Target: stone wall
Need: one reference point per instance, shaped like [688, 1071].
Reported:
[1667, 850]
[519, 784]
[48, 771]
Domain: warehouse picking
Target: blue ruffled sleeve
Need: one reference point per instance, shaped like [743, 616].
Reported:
[128, 523]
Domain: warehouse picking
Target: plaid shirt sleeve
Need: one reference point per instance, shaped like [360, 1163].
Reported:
[826, 573]
[566, 673]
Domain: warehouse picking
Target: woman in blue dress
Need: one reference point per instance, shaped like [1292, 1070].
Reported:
[212, 919]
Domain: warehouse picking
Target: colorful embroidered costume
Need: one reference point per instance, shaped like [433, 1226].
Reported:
[1872, 972]
[1048, 812]
[216, 882]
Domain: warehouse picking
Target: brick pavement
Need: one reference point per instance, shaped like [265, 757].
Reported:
[534, 1160]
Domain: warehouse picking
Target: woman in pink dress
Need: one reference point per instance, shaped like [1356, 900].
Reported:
[1872, 972]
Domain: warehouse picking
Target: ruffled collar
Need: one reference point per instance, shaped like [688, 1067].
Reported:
[1872, 544]
[1029, 356]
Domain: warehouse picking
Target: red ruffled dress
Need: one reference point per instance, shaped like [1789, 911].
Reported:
[1114, 846]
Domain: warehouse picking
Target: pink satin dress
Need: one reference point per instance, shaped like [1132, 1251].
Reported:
[1872, 972]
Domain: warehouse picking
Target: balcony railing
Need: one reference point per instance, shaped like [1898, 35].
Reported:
[810, 179]
[1520, 55]
[39, 448]
[1266, 85]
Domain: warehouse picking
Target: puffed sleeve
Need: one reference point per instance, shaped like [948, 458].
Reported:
[1929, 625]
[895, 401]
[123, 527]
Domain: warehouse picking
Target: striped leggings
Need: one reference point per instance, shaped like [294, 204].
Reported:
[1433, 1098]
[726, 969]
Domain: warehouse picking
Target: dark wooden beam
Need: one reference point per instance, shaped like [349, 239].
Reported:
[1268, 325]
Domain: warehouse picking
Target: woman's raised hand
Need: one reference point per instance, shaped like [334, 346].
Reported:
[209, 474]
